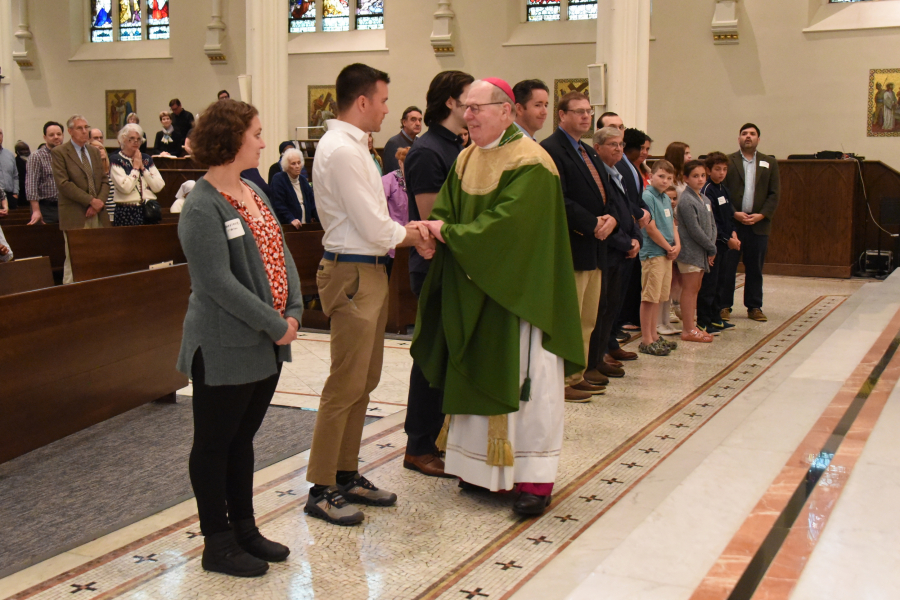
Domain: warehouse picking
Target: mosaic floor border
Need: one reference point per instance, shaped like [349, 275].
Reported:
[499, 567]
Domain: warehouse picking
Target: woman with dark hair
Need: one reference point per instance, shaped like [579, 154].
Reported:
[243, 314]
[466, 140]
[678, 153]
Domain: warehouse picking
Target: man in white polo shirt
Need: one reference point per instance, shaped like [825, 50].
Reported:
[353, 287]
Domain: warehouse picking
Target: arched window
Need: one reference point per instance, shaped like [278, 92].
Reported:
[129, 20]
[304, 16]
[557, 10]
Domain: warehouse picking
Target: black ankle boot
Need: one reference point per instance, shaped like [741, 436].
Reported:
[251, 540]
[222, 554]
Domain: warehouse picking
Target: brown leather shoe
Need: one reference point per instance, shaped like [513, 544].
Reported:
[756, 314]
[620, 354]
[573, 395]
[725, 313]
[427, 464]
[611, 361]
[596, 377]
[610, 371]
[590, 388]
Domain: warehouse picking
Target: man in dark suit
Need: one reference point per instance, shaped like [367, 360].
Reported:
[637, 147]
[81, 184]
[623, 247]
[754, 187]
[590, 220]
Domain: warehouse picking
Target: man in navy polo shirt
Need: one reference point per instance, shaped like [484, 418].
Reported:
[427, 166]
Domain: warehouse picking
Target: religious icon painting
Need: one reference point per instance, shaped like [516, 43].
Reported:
[561, 87]
[119, 104]
[884, 107]
[321, 107]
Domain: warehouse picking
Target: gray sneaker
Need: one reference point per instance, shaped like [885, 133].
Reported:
[362, 491]
[332, 507]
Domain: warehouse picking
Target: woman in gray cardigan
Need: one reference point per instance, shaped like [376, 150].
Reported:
[243, 314]
[697, 230]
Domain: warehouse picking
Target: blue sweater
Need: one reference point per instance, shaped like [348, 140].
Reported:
[722, 209]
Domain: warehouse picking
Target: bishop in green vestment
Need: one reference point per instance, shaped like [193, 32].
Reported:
[498, 327]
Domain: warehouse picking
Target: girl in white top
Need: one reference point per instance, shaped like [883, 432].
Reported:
[135, 178]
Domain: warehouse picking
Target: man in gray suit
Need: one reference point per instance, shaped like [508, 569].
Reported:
[81, 184]
[753, 184]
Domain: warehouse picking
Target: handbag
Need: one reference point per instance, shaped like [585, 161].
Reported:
[151, 208]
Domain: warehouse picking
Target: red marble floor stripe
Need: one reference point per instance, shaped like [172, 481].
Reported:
[792, 558]
[731, 564]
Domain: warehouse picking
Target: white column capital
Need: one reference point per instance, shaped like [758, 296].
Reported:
[215, 35]
[442, 33]
[23, 51]
[725, 22]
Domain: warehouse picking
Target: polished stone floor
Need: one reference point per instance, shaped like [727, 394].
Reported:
[627, 457]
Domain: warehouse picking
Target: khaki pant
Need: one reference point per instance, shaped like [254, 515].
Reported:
[587, 284]
[92, 223]
[355, 296]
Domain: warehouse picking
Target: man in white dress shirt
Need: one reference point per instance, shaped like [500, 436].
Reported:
[353, 288]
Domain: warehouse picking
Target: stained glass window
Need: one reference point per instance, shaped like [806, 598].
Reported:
[370, 14]
[335, 15]
[582, 9]
[129, 20]
[543, 10]
[302, 16]
[157, 19]
[101, 21]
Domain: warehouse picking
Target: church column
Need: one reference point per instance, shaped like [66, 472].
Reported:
[623, 44]
[6, 91]
[267, 66]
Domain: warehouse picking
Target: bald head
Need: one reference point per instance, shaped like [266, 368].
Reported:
[96, 135]
[490, 112]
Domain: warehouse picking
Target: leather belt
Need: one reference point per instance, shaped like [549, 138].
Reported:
[356, 258]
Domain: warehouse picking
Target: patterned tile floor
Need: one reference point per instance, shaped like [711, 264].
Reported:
[441, 542]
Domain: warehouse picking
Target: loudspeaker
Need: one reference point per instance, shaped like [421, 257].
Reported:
[597, 84]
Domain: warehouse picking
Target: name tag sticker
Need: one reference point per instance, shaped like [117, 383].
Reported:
[233, 229]
[709, 208]
[722, 200]
[764, 164]
[668, 212]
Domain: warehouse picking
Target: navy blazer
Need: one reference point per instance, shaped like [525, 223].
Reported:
[632, 189]
[285, 201]
[619, 241]
[582, 198]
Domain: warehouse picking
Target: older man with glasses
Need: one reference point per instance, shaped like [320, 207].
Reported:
[623, 248]
[497, 328]
[590, 223]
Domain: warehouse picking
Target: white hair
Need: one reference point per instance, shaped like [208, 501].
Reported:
[129, 127]
[289, 155]
[71, 122]
[607, 133]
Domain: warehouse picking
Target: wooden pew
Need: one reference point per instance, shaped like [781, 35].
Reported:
[402, 303]
[96, 253]
[38, 240]
[25, 274]
[306, 249]
[79, 354]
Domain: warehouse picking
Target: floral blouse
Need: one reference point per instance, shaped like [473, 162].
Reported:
[267, 233]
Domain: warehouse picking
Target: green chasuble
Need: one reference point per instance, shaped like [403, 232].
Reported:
[507, 257]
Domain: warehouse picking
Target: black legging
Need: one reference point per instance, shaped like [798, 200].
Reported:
[226, 417]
